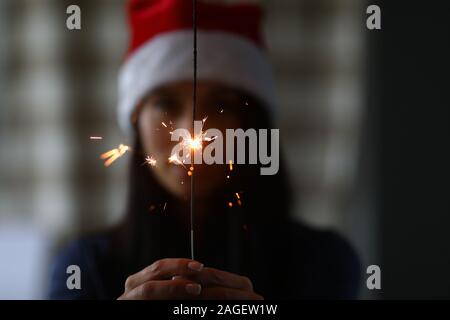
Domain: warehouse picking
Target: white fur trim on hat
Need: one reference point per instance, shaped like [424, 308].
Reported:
[167, 58]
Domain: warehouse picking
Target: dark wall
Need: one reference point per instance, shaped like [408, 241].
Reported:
[409, 91]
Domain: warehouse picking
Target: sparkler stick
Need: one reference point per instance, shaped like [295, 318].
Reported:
[194, 101]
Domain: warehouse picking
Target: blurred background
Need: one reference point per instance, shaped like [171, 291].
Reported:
[338, 123]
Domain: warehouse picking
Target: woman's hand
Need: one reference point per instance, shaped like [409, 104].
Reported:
[155, 281]
[221, 285]
[186, 279]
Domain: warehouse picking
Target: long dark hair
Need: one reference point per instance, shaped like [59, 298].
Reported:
[151, 228]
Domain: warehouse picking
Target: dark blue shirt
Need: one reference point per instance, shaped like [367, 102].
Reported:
[295, 262]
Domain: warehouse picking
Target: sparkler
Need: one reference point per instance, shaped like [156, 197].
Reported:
[194, 102]
[194, 143]
[114, 154]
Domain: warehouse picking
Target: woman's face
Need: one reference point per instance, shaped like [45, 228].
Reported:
[169, 108]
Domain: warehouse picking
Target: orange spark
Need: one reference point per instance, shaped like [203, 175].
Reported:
[165, 125]
[231, 165]
[114, 154]
[209, 138]
[237, 195]
[150, 161]
[175, 160]
[230, 204]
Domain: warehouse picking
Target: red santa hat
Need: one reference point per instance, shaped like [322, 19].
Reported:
[230, 50]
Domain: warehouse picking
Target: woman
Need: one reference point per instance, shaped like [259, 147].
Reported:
[246, 247]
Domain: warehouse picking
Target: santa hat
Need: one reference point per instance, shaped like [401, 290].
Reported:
[230, 50]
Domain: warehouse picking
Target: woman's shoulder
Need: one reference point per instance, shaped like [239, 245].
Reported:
[321, 240]
[328, 258]
[308, 238]
[325, 264]
[75, 268]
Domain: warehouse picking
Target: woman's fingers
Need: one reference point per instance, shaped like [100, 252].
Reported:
[164, 290]
[222, 293]
[210, 277]
[190, 280]
[164, 269]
